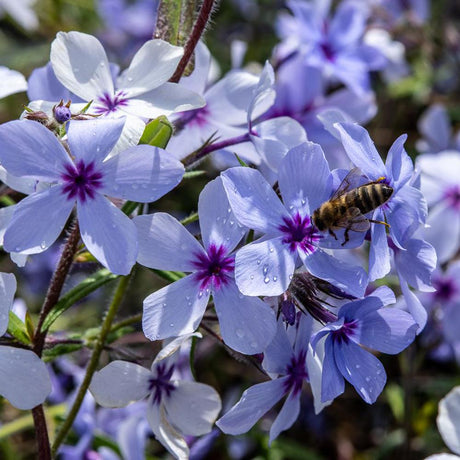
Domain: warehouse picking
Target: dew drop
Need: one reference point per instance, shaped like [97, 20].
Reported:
[271, 249]
[232, 223]
[265, 269]
[171, 324]
[275, 279]
[368, 379]
[164, 305]
[358, 366]
[266, 280]
[258, 261]
[43, 244]
[229, 210]
[251, 277]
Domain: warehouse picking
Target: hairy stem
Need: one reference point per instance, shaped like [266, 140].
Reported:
[200, 154]
[56, 285]
[93, 363]
[41, 430]
[198, 28]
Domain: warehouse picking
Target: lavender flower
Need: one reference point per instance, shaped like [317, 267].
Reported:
[247, 324]
[406, 208]
[266, 267]
[142, 173]
[290, 362]
[175, 407]
[362, 323]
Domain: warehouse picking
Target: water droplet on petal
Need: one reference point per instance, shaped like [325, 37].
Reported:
[275, 279]
[266, 280]
[43, 244]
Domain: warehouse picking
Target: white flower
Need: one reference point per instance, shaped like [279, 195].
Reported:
[11, 81]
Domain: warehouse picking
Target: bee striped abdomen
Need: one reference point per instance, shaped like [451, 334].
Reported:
[370, 196]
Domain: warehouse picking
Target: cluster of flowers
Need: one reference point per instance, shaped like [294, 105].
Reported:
[296, 296]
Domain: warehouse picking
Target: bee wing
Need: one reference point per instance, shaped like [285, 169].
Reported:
[353, 179]
[354, 220]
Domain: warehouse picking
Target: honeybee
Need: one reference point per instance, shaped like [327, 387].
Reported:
[348, 206]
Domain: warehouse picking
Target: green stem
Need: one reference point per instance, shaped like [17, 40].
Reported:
[94, 361]
[127, 322]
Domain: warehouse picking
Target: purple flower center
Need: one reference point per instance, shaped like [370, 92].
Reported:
[297, 372]
[345, 333]
[452, 196]
[327, 50]
[299, 233]
[161, 385]
[197, 117]
[81, 181]
[214, 268]
[445, 289]
[110, 104]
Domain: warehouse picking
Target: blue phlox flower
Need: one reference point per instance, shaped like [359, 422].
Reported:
[175, 407]
[142, 173]
[406, 209]
[247, 324]
[24, 380]
[440, 183]
[290, 362]
[140, 92]
[362, 323]
[266, 266]
[435, 127]
[334, 45]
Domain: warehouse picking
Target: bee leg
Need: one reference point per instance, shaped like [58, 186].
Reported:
[379, 222]
[347, 238]
[332, 234]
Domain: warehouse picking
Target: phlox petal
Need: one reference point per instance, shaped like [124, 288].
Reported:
[43, 85]
[447, 420]
[362, 369]
[120, 383]
[172, 346]
[434, 124]
[27, 148]
[164, 100]
[347, 25]
[361, 150]
[81, 65]
[388, 330]
[286, 417]
[332, 382]
[193, 407]
[304, 177]
[353, 70]
[443, 231]
[351, 278]
[414, 306]
[275, 137]
[24, 379]
[165, 433]
[175, 310]
[379, 253]
[315, 359]
[264, 268]
[132, 132]
[198, 79]
[253, 201]
[246, 323]
[278, 353]
[93, 140]
[11, 82]
[254, 403]
[7, 291]
[217, 222]
[46, 213]
[416, 263]
[164, 243]
[151, 66]
[398, 164]
[108, 233]
[142, 173]
[229, 98]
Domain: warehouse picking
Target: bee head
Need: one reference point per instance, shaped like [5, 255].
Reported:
[387, 191]
[317, 221]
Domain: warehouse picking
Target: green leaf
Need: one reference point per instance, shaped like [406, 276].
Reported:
[77, 293]
[241, 162]
[175, 20]
[193, 174]
[18, 329]
[168, 276]
[61, 349]
[157, 132]
[129, 207]
[395, 397]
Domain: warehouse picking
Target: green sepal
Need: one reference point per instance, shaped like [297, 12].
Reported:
[29, 325]
[18, 329]
[193, 174]
[241, 162]
[157, 132]
[77, 293]
[129, 207]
